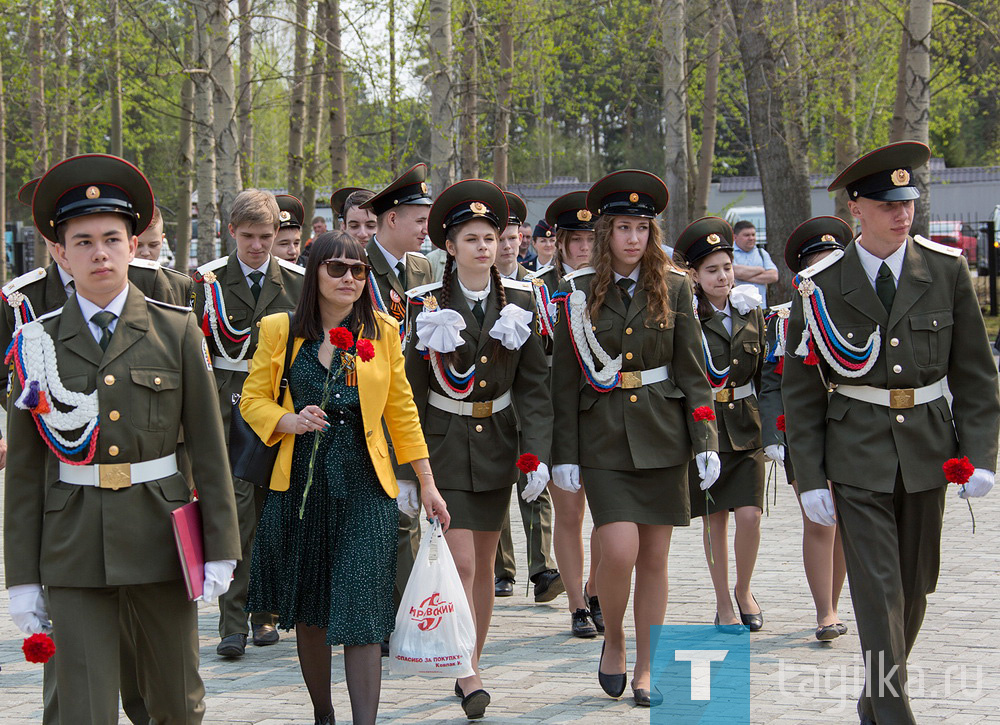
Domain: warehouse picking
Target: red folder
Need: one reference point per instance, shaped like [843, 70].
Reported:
[190, 546]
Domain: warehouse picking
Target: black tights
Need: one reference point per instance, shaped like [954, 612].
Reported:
[362, 665]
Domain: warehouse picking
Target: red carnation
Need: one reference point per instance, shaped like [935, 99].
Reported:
[366, 351]
[703, 412]
[38, 648]
[781, 422]
[527, 462]
[341, 337]
[958, 470]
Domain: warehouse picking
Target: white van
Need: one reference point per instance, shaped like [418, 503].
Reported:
[752, 214]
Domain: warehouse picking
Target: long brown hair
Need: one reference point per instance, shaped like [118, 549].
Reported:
[705, 308]
[655, 266]
[306, 322]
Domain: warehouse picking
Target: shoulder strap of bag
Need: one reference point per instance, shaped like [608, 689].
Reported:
[286, 370]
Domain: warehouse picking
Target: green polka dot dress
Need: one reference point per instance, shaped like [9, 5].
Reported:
[336, 567]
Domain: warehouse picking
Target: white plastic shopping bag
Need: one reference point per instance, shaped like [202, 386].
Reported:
[434, 635]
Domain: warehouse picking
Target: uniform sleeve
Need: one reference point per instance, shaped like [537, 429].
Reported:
[687, 369]
[565, 386]
[532, 397]
[6, 335]
[257, 403]
[417, 369]
[761, 345]
[770, 393]
[400, 414]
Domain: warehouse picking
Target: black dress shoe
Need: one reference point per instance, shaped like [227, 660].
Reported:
[233, 645]
[583, 625]
[596, 614]
[475, 704]
[753, 622]
[827, 632]
[646, 698]
[503, 587]
[613, 685]
[548, 585]
[264, 634]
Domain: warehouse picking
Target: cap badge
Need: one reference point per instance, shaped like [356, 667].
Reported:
[900, 177]
[477, 207]
[284, 216]
[713, 238]
[633, 197]
[584, 215]
[423, 186]
[827, 238]
[548, 232]
[93, 192]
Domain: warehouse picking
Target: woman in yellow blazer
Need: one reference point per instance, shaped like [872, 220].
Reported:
[324, 558]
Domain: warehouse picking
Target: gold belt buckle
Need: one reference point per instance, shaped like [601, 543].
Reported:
[630, 380]
[482, 410]
[724, 396]
[115, 475]
[901, 398]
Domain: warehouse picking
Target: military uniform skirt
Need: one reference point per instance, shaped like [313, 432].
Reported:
[654, 496]
[741, 483]
[477, 510]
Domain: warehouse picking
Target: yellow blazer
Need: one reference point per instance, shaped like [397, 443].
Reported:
[382, 388]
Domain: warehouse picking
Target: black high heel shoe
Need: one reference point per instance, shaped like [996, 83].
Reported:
[753, 622]
[474, 704]
[613, 685]
[328, 720]
[646, 698]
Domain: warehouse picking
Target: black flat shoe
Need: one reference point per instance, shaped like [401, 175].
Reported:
[475, 704]
[728, 628]
[753, 622]
[458, 690]
[596, 614]
[613, 685]
[827, 632]
[548, 585]
[503, 587]
[582, 625]
[646, 698]
[841, 627]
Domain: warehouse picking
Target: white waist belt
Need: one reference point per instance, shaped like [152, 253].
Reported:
[241, 366]
[118, 475]
[896, 397]
[638, 378]
[728, 395]
[483, 409]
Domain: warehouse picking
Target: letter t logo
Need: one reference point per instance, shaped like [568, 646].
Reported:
[701, 669]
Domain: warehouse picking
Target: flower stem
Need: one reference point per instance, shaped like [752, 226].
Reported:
[319, 434]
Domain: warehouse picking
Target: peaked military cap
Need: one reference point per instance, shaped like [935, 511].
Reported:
[628, 193]
[290, 211]
[91, 184]
[339, 199]
[543, 229]
[27, 191]
[703, 237]
[816, 235]
[885, 174]
[410, 188]
[517, 210]
[465, 200]
[570, 212]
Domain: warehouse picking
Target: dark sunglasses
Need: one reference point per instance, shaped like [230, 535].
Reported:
[336, 269]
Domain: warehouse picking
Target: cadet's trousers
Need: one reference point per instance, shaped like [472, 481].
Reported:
[407, 544]
[232, 616]
[536, 517]
[87, 628]
[892, 545]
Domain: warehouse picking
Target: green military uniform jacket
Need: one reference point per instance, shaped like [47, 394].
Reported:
[153, 378]
[181, 287]
[935, 330]
[738, 420]
[646, 427]
[418, 272]
[770, 380]
[479, 454]
[281, 288]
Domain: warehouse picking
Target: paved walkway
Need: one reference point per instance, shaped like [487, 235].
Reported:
[536, 672]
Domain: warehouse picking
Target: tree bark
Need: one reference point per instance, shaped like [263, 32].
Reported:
[916, 116]
[899, 108]
[76, 64]
[37, 110]
[786, 192]
[442, 112]
[3, 175]
[846, 145]
[227, 153]
[501, 140]
[117, 148]
[706, 155]
[675, 128]
[297, 102]
[469, 158]
[393, 132]
[246, 92]
[337, 99]
[185, 165]
[314, 127]
[59, 40]
[204, 121]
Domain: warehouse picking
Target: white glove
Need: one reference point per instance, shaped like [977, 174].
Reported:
[775, 452]
[566, 476]
[218, 577]
[709, 468]
[27, 609]
[979, 484]
[818, 505]
[408, 499]
[537, 480]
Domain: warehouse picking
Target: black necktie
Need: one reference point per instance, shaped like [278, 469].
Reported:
[103, 320]
[401, 273]
[256, 284]
[479, 313]
[625, 285]
[885, 286]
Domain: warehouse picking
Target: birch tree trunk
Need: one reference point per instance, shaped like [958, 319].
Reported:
[204, 123]
[3, 175]
[314, 115]
[227, 155]
[37, 110]
[442, 112]
[675, 129]
[297, 100]
[501, 139]
[846, 146]
[706, 155]
[335, 93]
[76, 64]
[469, 158]
[917, 111]
[185, 165]
[896, 132]
[116, 82]
[246, 93]
[59, 41]
[393, 132]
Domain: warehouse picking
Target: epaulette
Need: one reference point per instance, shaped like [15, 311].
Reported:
[418, 254]
[580, 272]
[144, 263]
[24, 280]
[422, 289]
[827, 261]
[213, 265]
[175, 272]
[518, 284]
[539, 272]
[291, 266]
[677, 270]
[158, 303]
[937, 246]
[47, 315]
[785, 306]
